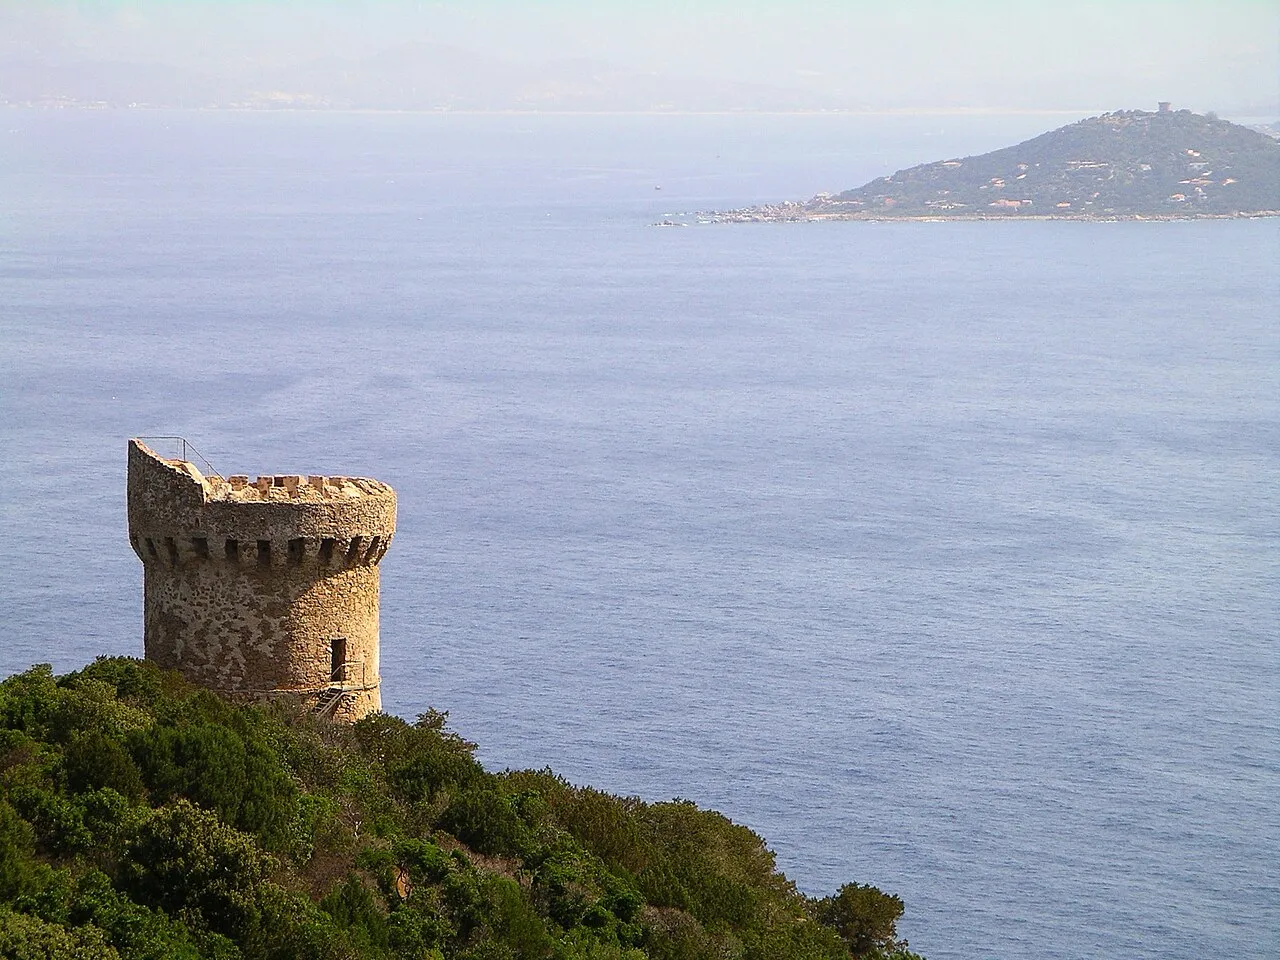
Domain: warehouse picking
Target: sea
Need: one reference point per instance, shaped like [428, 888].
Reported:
[946, 556]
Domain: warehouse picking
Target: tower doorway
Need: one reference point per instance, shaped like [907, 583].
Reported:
[338, 659]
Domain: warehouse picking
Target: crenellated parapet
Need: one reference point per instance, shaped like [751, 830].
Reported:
[266, 586]
[344, 520]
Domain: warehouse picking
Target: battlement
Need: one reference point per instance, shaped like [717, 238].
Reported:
[266, 586]
[308, 516]
[283, 487]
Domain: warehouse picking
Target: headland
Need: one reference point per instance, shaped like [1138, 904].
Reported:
[1127, 165]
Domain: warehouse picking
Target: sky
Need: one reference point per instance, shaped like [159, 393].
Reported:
[819, 54]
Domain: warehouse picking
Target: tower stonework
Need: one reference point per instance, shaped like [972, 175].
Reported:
[262, 588]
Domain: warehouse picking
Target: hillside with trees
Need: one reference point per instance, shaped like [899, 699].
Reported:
[142, 818]
[1169, 164]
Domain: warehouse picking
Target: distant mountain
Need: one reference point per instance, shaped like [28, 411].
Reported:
[410, 76]
[1125, 164]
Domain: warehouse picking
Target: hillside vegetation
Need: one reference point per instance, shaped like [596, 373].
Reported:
[1125, 164]
[144, 819]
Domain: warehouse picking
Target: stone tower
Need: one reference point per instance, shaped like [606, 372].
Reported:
[264, 588]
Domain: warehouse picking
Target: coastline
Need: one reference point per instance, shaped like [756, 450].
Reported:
[1126, 165]
[751, 215]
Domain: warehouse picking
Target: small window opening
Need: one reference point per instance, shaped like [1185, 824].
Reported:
[233, 551]
[264, 553]
[326, 550]
[201, 546]
[296, 548]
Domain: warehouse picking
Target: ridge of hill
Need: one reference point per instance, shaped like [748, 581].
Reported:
[142, 818]
[1125, 165]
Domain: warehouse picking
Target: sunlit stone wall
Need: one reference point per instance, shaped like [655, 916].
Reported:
[262, 588]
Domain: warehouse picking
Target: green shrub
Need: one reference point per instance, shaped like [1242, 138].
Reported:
[138, 683]
[183, 859]
[606, 825]
[355, 910]
[136, 932]
[19, 871]
[142, 818]
[864, 916]
[28, 699]
[58, 820]
[513, 921]
[93, 760]
[416, 933]
[214, 766]
[675, 935]
[288, 926]
[425, 861]
[24, 937]
[486, 821]
[422, 759]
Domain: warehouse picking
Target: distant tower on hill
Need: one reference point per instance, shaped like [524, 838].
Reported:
[1164, 106]
[266, 588]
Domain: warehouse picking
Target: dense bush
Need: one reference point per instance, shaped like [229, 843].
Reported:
[141, 818]
[865, 917]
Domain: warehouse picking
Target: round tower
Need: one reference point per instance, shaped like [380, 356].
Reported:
[262, 588]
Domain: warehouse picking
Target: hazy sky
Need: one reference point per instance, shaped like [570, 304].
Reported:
[1210, 54]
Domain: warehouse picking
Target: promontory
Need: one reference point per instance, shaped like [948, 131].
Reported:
[1132, 164]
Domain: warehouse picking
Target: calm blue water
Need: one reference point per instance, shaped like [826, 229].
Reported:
[944, 555]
